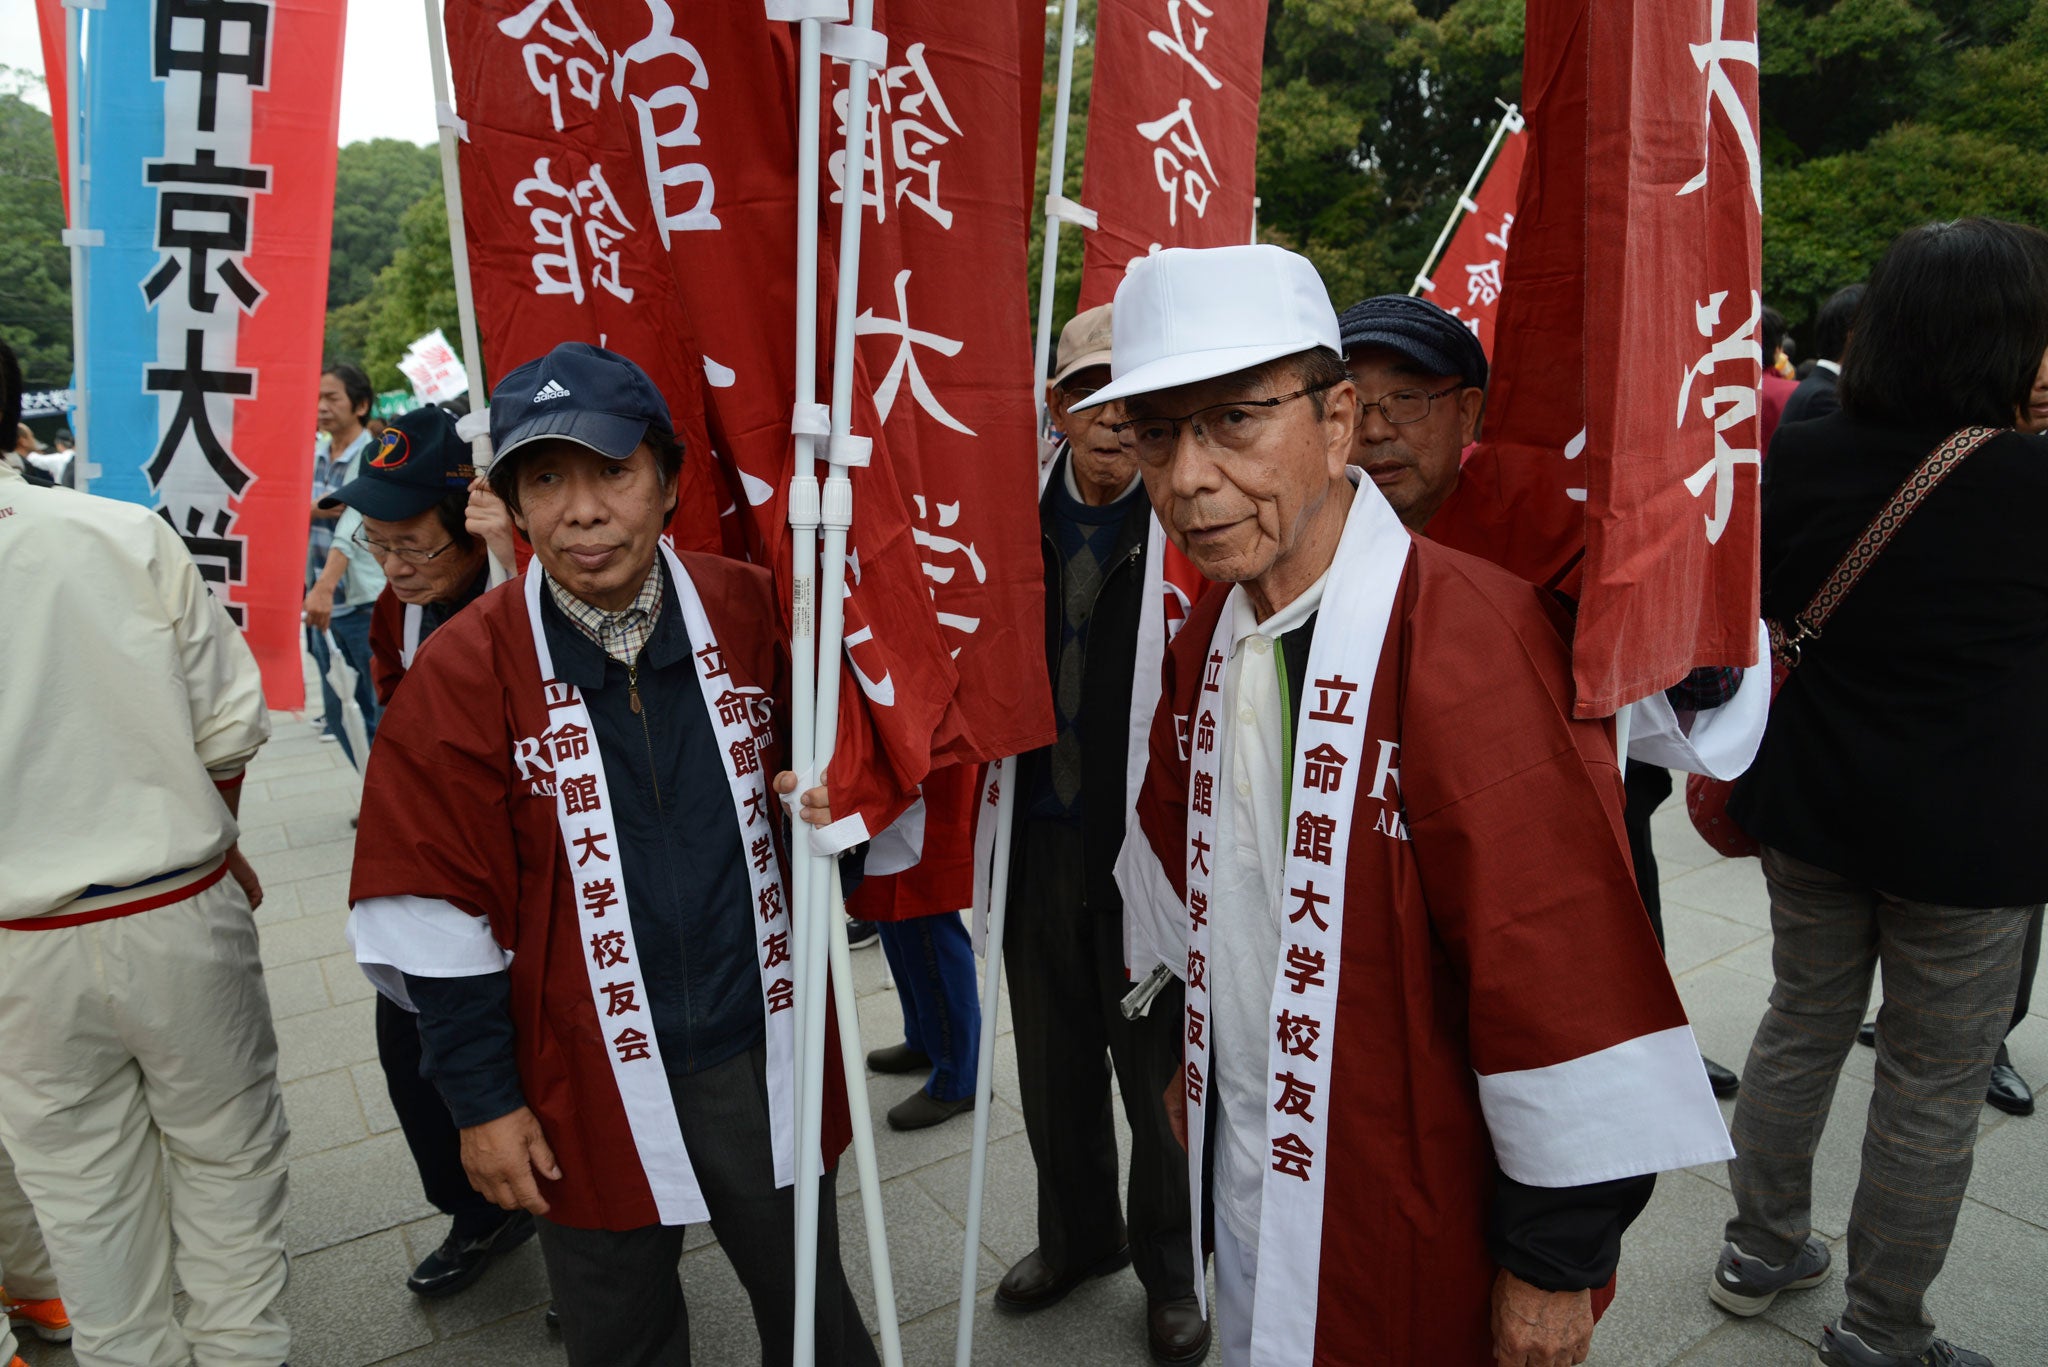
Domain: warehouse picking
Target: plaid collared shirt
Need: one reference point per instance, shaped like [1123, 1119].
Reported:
[620, 634]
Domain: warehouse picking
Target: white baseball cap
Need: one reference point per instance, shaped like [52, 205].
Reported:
[1188, 314]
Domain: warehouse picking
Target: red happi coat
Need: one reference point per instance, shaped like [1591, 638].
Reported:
[446, 815]
[387, 644]
[1496, 938]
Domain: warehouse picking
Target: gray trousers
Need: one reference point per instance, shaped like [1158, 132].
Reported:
[1950, 974]
[618, 1291]
[1065, 963]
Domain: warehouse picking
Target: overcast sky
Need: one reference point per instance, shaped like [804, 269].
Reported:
[387, 90]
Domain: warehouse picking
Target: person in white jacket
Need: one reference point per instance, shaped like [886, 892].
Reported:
[138, 1088]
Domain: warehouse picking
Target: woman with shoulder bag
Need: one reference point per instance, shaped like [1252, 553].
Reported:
[1897, 794]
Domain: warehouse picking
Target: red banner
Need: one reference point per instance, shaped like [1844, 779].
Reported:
[943, 324]
[701, 105]
[1030, 91]
[57, 81]
[564, 242]
[1467, 279]
[1173, 131]
[1631, 480]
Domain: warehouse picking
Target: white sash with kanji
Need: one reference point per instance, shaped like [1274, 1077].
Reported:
[1328, 764]
[583, 807]
[409, 646]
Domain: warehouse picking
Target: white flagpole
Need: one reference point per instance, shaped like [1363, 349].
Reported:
[985, 1063]
[847, 1004]
[78, 236]
[803, 531]
[858, 43]
[1510, 122]
[458, 252]
[1056, 207]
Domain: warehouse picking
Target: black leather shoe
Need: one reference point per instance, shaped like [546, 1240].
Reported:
[1724, 1082]
[898, 1058]
[553, 1320]
[919, 1111]
[2009, 1091]
[460, 1261]
[1866, 1034]
[1177, 1332]
[1034, 1283]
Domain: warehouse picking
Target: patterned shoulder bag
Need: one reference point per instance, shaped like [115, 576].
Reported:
[1706, 799]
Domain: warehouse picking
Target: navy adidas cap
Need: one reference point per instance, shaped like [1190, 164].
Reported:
[579, 393]
[417, 462]
[1426, 334]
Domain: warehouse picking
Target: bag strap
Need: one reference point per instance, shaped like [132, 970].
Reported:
[1857, 560]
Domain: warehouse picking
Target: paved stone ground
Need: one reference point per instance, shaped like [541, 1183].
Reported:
[358, 1223]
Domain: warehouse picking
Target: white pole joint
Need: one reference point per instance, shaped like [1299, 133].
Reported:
[803, 501]
[837, 513]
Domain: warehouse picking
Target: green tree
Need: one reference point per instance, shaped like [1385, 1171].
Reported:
[374, 183]
[1955, 125]
[35, 265]
[410, 297]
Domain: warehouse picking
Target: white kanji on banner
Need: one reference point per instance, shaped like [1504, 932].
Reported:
[1180, 162]
[907, 102]
[1730, 406]
[905, 367]
[554, 38]
[680, 188]
[936, 549]
[1187, 38]
[556, 213]
[1712, 57]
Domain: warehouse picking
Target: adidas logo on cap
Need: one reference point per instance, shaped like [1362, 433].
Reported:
[550, 390]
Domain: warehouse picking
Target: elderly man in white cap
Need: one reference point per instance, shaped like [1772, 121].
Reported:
[1430, 1049]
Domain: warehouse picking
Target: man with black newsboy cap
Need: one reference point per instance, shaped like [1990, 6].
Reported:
[1421, 378]
[571, 865]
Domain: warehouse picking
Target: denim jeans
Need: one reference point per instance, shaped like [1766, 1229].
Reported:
[932, 960]
[352, 632]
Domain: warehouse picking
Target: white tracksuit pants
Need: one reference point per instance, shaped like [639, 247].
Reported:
[24, 1262]
[137, 1061]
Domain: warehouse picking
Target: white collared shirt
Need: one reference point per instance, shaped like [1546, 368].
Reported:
[1245, 898]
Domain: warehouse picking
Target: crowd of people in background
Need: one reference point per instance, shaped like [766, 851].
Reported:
[1352, 714]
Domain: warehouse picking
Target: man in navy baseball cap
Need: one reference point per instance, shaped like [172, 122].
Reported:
[417, 461]
[580, 394]
[1421, 378]
[549, 419]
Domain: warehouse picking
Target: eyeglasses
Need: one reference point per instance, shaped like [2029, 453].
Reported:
[1233, 426]
[408, 554]
[1404, 406]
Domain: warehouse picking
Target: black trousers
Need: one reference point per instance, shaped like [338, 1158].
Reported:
[1648, 786]
[1066, 976]
[618, 1291]
[429, 1130]
[2030, 962]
